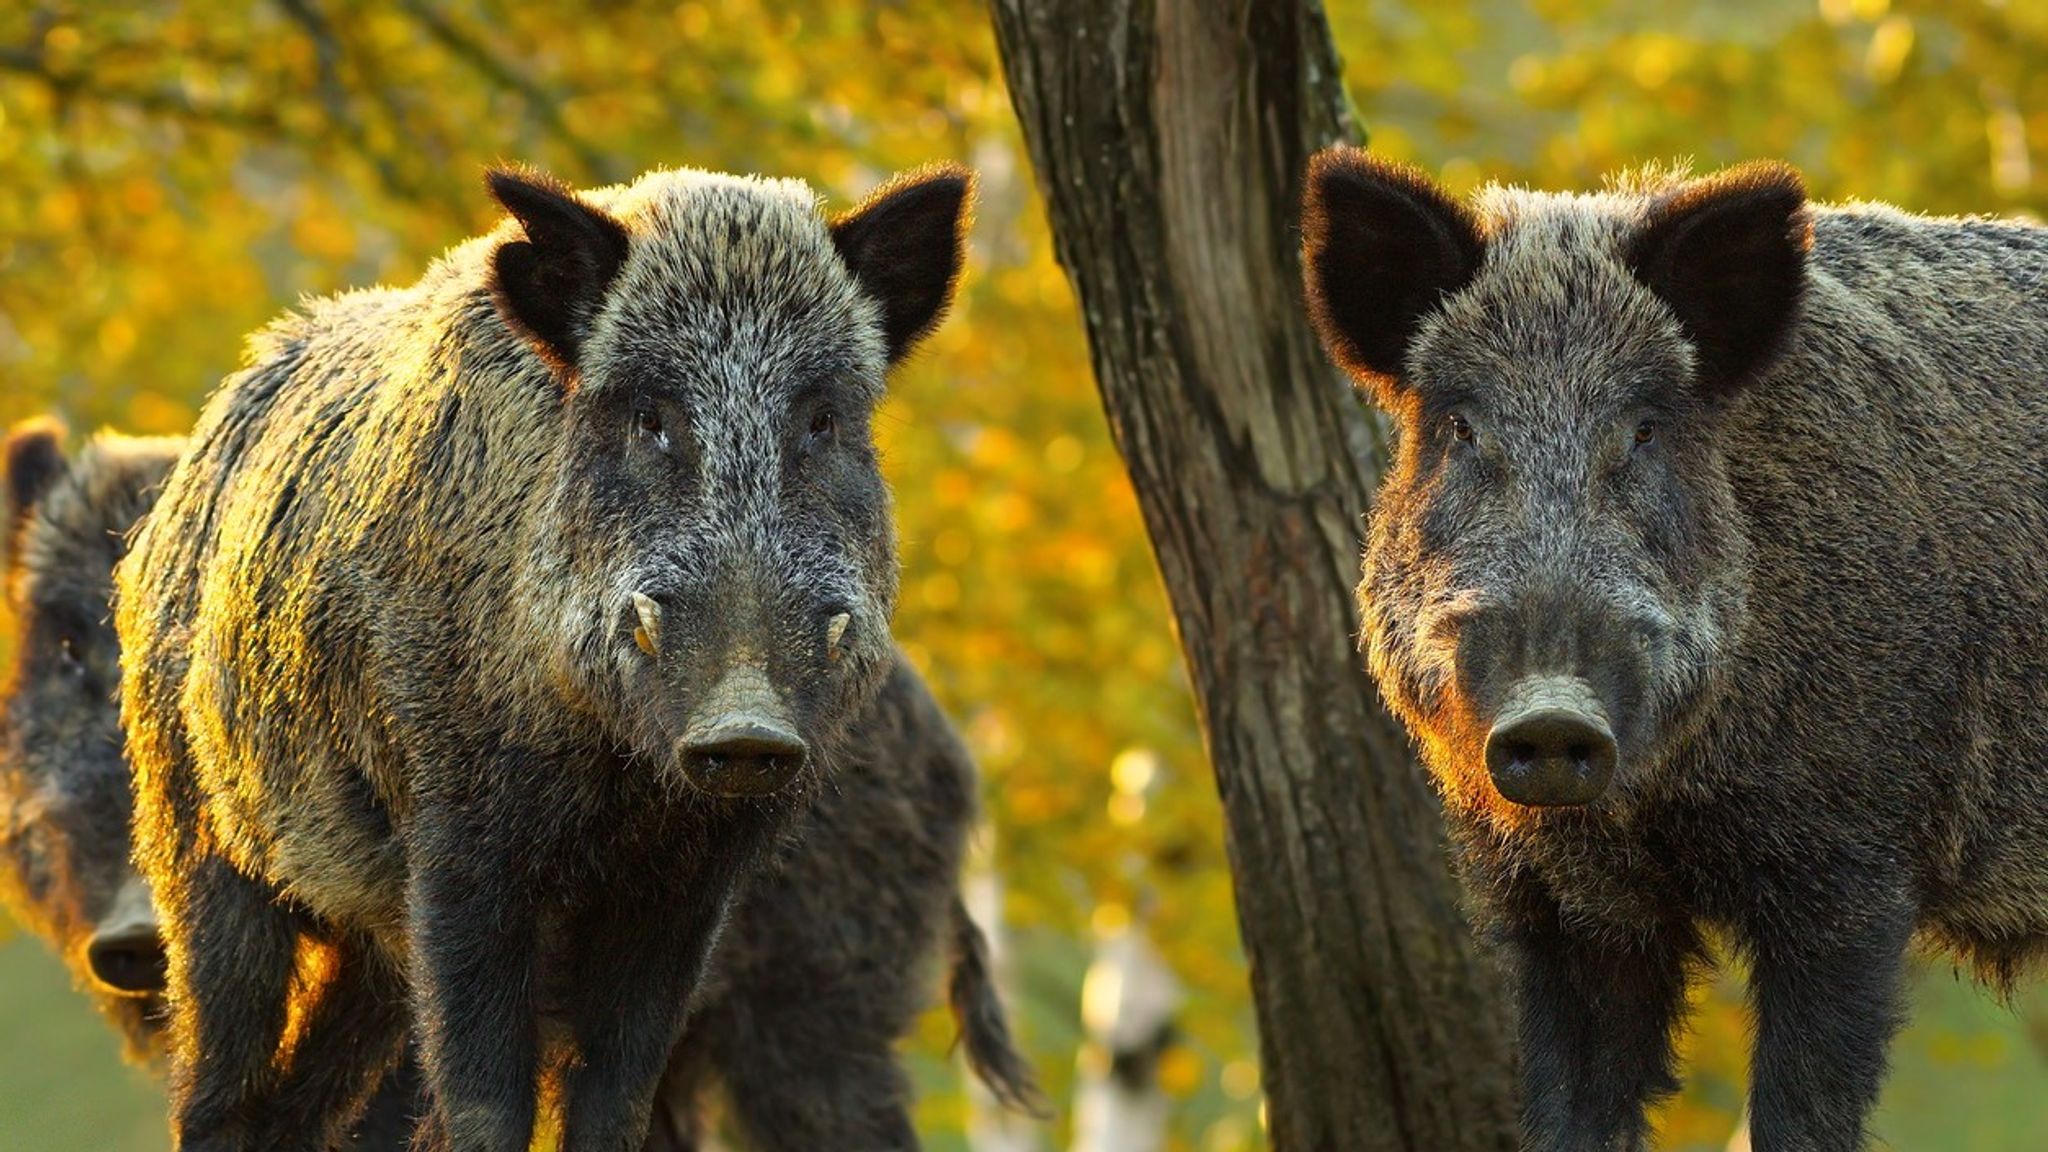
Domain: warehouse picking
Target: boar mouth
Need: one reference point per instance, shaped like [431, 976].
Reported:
[1551, 744]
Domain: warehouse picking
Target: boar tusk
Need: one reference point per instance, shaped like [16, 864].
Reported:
[835, 629]
[648, 634]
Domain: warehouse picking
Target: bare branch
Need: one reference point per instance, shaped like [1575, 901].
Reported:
[328, 56]
[542, 105]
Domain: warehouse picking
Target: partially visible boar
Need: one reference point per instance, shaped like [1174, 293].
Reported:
[1712, 578]
[64, 794]
[493, 629]
[827, 963]
[819, 976]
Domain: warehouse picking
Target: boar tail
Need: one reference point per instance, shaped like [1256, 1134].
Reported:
[984, 1028]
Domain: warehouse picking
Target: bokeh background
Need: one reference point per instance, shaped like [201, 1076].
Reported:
[173, 175]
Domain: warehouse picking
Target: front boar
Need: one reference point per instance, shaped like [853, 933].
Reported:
[492, 629]
[1710, 578]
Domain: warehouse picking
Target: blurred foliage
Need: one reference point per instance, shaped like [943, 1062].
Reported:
[178, 173]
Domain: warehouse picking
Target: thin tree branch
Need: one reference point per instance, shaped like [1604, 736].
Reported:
[543, 106]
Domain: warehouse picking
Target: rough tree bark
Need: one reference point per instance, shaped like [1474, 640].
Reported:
[1169, 138]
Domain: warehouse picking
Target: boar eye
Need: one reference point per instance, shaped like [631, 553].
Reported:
[1461, 428]
[1645, 432]
[824, 430]
[67, 655]
[646, 422]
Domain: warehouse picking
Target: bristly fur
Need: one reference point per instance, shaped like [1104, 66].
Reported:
[1770, 480]
[384, 689]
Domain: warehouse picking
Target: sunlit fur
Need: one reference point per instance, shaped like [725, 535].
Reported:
[1816, 603]
[382, 676]
[64, 794]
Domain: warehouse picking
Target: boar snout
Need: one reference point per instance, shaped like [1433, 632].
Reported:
[746, 757]
[1550, 744]
[126, 952]
[745, 744]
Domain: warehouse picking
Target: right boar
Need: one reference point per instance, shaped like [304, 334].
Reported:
[1711, 578]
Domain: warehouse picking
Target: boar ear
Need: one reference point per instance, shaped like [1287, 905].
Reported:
[35, 460]
[1728, 255]
[550, 285]
[905, 244]
[1381, 247]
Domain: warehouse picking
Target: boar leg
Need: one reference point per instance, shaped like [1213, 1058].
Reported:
[804, 1072]
[474, 935]
[676, 1125]
[1596, 1022]
[388, 1121]
[638, 961]
[231, 956]
[351, 1037]
[1827, 1003]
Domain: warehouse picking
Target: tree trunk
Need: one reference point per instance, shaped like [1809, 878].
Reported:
[1169, 137]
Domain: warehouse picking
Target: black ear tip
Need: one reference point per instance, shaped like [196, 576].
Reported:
[35, 458]
[951, 181]
[1345, 178]
[506, 184]
[1350, 188]
[522, 190]
[1767, 186]
[1333, 175]
[935, 189]
[1772, 179]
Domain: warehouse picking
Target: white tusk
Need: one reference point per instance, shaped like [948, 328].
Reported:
[648, 634]
[835, 629]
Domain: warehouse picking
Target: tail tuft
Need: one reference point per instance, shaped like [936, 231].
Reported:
[984, 1027]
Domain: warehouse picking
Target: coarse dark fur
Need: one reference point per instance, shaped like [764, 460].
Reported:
[820, 973]
[491, 633]
[1770, 481]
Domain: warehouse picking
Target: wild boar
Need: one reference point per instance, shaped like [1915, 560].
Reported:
[65, 802]
[1709, 578]
[493, 629]
[825, 966]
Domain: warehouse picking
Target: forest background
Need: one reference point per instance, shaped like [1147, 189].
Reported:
[177, 174]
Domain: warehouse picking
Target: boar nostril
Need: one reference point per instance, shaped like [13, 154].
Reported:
[742, 757]
[130, 963]
[1551, 745]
